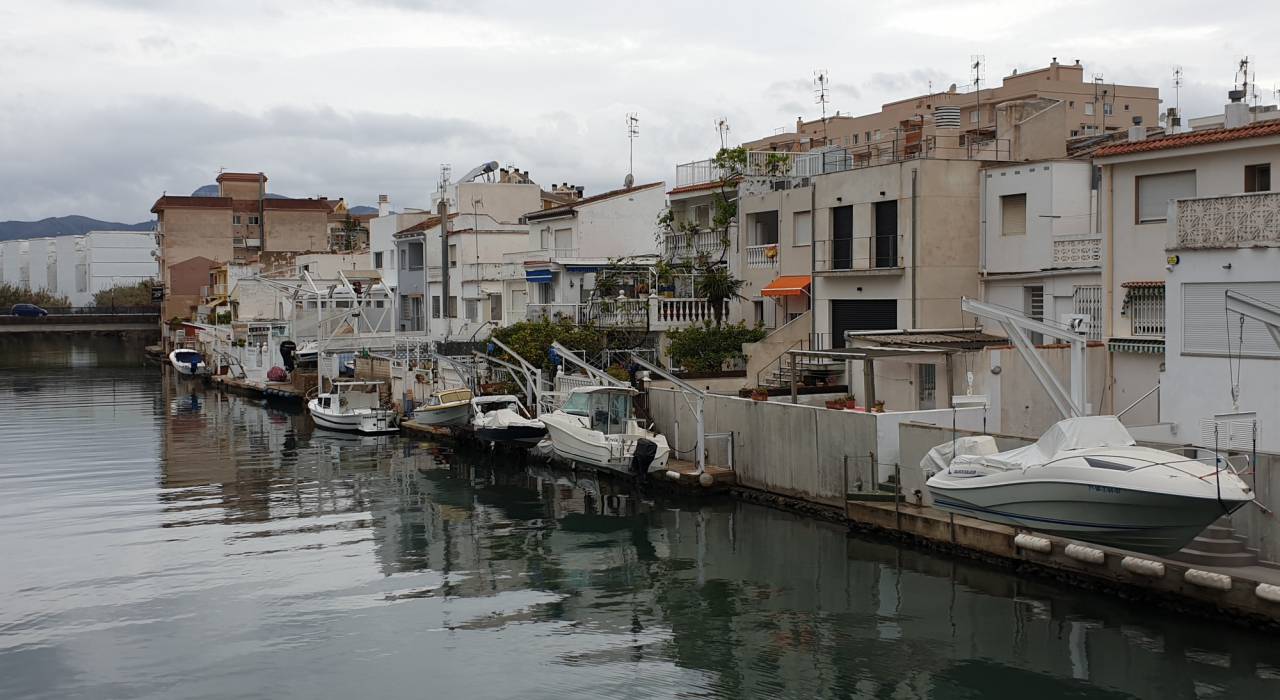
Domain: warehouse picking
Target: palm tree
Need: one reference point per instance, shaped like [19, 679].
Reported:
[718, 286]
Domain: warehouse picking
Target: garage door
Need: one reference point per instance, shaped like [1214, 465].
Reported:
[861, 315]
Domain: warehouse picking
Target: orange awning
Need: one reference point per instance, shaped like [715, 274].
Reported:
[787, 286]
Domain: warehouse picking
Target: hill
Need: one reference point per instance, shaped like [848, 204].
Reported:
[73, 225]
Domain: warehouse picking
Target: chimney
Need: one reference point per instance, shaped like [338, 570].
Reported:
[1137, 132]
[384, 205]
[799, 124]
[1236, 113]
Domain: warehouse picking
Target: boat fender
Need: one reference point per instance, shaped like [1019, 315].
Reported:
[1268, 591]
[1143, 567]
[1088, 555]
[1207, 579]
[706, 480]
[1033, 543]
[673, 475]
[646, 450]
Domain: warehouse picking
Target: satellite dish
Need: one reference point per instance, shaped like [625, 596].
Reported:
[629, 181]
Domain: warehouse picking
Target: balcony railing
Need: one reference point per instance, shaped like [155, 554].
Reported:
[652, 312]
[685, 245]
[762, 256]
[541, 254]
[860, 254]
[679, 313]
[213, 290]
[1083, 250]
[1232, 221]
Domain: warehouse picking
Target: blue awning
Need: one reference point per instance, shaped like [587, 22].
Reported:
[538, 276]
[582, 268]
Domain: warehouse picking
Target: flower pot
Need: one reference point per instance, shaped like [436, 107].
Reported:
[759, 396]
[835, 405]
[851, 404]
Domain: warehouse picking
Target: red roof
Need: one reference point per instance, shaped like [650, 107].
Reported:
[699, 187]
[175, 202]
[1142, 283]
[296, 204]
[1192, 138]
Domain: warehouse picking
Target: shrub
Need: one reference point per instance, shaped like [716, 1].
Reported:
[532, 339]
[11, 294]
[706, 348]
[137, 294]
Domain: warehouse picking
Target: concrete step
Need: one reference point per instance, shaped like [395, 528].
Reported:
[1194, 556]
[1215, 545]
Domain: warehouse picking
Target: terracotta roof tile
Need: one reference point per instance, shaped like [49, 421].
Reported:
[176, 202]
[696, 188]
[297, 204]
[568, 208]
[1142, 283]
[1192, 138]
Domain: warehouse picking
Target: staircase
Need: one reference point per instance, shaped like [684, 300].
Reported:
[1218, 545]
[803, 368]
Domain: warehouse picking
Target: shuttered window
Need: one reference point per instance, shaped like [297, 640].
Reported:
[1206, 327]
[1154, 192]
[1013, 214]
[803, 221]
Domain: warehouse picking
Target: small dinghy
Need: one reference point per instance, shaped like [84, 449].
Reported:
[503, 419]
[187, 362]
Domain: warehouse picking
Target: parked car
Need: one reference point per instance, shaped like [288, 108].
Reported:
[27, 310]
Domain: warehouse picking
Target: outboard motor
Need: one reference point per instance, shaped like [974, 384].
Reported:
[287, 348]
[646, 450]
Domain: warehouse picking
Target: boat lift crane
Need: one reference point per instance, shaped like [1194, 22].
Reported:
[1070, 404]
[532, 375]
[567, 355]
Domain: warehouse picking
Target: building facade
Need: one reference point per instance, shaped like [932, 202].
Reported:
[77, 267]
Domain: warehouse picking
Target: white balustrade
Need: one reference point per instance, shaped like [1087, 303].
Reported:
[762, 255]
[1233, 221]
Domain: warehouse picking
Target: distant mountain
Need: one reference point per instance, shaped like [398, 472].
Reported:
[65, 226]
[212, 191]
[361, 210]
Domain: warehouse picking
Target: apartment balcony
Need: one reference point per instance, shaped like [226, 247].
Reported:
[652, 313]
[1077, 250]
[864, 255]
[1231, 221]
[544, 255]
[214, 291]
[762, 256]
[686, 245]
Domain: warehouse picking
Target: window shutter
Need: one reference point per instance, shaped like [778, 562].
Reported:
[1156, 191]
[1206, 327]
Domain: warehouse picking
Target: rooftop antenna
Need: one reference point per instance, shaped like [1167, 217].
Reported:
[633, 133]
[977, 64]
[722, 128]
[1177, 88]
[821, 95]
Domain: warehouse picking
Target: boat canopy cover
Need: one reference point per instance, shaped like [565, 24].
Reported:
[504, 418]
[940, 457]
[1069, 434]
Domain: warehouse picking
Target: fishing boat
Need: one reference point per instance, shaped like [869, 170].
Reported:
[596, 426]
[447, 407]
[1087, 479]
[503, 419]
[187, 362]
[353, 407]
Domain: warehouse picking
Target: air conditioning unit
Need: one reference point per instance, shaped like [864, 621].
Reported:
[237, 242]
[253, 242]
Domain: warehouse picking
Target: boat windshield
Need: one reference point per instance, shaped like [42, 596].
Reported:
[578, 404]
[610, 412]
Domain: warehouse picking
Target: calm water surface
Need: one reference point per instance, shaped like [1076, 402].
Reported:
[162, 541]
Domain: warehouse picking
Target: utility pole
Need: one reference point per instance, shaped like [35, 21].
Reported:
[445, 173]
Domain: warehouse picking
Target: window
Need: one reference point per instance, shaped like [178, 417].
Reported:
[377, 260]
[926, 387]
[547, 239]
[867, 137]
[855, 139]
[803, 222]
[254, 220]
[1088, 109]
[403, 259]
[1154, 192]
[495, 307]
[378, 304]
[1106, 108]
[875, 135]
[973, 117]
[473, 309]
[757, 312]
[702, 216]
[1013, 214]
[404, 307]
[452, 311]
[453, 255]
[1071, 103]
[1126, 108]
[564, 242]
[435, 307]
[1257, 178]
[1033, 306]
[235, 219]
[1087, 301]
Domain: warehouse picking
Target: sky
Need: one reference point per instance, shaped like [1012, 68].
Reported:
[107, 104]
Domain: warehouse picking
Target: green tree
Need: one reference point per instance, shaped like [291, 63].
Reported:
[533, 339]
[718, 286]
[706, 348]
[11, 294]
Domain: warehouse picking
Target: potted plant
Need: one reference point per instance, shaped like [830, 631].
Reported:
[850, 402]
[759, 394]
[835, 404]
[879, 406]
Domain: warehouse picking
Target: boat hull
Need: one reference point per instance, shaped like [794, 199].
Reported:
[529, 434]
[595, 449]
[456, 414]
[1141, 521]
[363, 422]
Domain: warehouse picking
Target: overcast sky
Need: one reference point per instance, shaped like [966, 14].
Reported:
[108, 103]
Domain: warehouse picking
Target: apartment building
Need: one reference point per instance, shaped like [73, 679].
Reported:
[1080, 108]
[485, 227]
[77, 267]
[1041, 250]
[1187, 216]
[196, 234]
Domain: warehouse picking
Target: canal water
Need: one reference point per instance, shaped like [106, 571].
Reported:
[158, 540]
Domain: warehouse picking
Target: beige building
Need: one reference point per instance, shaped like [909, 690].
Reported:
[1087, 107]
[1143, 181]
[236, 226]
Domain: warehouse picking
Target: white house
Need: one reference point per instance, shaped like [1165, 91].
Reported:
[1141, 179]
[77, 267]
[382, 231]
[1041, 252]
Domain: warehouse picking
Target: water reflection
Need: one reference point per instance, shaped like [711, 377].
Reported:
[179, 543]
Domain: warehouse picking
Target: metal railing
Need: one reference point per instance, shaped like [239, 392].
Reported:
[860, 253]
[1146, 311]
[117, 310]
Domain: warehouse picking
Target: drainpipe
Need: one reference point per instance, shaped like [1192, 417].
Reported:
[914, 245]
[813, 264]
[982, 236]
[1108, 286]
[262, 219]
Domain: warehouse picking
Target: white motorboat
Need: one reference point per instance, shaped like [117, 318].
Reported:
[1086, 479]
[187, 362]
[596, 426]
[503, 418]
[354, 407]
[447, 407]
